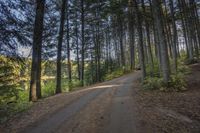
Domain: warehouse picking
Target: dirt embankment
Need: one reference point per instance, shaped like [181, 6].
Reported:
[171, 112]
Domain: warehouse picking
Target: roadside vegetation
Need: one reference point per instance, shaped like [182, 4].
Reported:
[177, 80]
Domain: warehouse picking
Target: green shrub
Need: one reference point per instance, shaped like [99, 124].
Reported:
[48, 88]
[10, 108]
[74, 84]
[12, 98]
[189, 62]
[114, 74]
[182, 68]
[9, 80]
[152, 83]
[155, 72]
[177, 82]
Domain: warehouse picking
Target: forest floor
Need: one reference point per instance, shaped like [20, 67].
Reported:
[116, 106]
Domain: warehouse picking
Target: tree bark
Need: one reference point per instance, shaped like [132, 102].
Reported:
[150, 56]
[77, 51]
[35, 89]
[59, 51]
[175, 37]
[162, 42]
[68, 46]
[141, 50]
[121, 40]
[83, 41]
[131, 34]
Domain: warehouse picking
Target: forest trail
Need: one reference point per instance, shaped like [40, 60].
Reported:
[105, 107]
[116, 106]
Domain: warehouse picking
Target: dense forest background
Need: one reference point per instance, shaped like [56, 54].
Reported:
[51, 46]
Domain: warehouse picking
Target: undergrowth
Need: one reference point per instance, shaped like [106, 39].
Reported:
[20, 103]
[177, 80]
[115, 74]
[10, 108]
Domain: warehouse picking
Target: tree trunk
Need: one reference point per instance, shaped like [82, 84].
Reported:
[131, 34]
[150, 56]
[68, 47]
[77, 46]
[175, 37]
[77, 54]
[189, 31]
[83, 41]
[156, 40]
[195, 24]
[141, 51]
[59, 51]
[185, 33]
[162, 42]
[121, 40]
[35, 89]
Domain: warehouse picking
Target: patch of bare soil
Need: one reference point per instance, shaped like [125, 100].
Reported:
[92, 118]
[171, 112]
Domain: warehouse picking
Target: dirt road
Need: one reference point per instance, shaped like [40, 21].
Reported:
[116, 106]
[106, 107]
